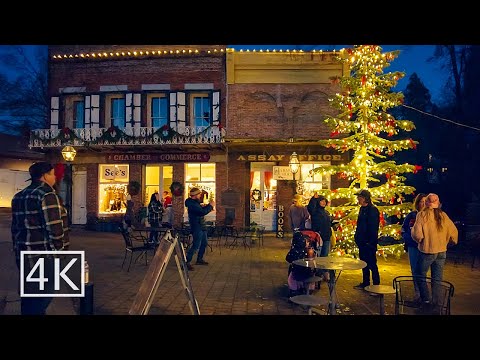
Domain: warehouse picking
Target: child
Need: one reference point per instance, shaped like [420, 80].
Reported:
[302, 240]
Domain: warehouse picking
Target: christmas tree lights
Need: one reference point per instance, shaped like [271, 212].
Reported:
[364, 127]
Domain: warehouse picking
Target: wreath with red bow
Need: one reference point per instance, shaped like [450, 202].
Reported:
[176, 188]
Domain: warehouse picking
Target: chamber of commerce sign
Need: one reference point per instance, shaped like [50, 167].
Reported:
[161, 157]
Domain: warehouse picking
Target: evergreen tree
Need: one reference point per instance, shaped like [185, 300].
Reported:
[361, 122]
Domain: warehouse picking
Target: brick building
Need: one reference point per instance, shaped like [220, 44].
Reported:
[223, 120]
[148, 114]
[277, 102]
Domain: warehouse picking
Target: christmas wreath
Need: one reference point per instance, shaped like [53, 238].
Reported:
[176, 188]
[256, 194]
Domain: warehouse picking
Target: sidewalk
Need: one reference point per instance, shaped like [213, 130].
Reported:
[236, 282]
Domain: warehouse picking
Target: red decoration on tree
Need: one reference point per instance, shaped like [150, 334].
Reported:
[364, 79]
[412, 143]
[416, 168]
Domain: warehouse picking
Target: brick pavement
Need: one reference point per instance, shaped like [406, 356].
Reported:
[237, 282]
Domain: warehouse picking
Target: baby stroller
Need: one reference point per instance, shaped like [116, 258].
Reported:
[301, 241]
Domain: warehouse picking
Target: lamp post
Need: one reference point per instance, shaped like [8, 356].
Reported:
[294, 165]
[69, 153]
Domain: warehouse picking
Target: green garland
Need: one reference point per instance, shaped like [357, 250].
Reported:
[114, 134]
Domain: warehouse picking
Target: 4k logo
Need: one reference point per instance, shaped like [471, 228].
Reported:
[52, 273]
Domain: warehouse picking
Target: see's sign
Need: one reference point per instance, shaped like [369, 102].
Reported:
[114, 172]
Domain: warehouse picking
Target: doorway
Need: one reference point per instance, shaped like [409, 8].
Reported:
[79, 197]
[263, 195]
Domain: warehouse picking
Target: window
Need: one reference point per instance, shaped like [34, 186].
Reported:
[201, 176]
[74, 111]
[117, 112]
[200, 109]
[158, 178]
[157, 114]
[313, 182]
[113, 181]
[78, 114]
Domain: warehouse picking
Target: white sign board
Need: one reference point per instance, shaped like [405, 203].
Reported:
[114, 172]
[282, 173]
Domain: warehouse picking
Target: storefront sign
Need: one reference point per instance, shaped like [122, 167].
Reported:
[318, 157]
[160, 157]
[280, 221]
[114, 172]
[282, 173]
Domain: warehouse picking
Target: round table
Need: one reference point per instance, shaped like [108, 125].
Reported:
[380, 290]
[308, 300]
[332, 263]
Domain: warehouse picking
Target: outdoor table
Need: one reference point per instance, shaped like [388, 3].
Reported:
[308, 300]
[332, 263]
[380, 290]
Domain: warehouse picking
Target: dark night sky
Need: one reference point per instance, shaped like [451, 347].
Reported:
[413, 58]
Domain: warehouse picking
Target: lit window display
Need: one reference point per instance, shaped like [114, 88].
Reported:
[158, 178]
[113, 181]
[201, 176]
[313, 182]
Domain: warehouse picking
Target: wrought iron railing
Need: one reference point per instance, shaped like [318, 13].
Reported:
[135, 136]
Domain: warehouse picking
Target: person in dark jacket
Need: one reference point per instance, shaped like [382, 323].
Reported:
[155, 211]
[321, 221]
[411, 246]
[196, 218]
[366, 238]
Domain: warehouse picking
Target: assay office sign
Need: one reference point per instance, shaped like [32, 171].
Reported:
[280, 157]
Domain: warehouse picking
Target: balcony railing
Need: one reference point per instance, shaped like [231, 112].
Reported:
[134, 136]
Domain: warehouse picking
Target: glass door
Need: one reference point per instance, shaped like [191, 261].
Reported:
[263, 195]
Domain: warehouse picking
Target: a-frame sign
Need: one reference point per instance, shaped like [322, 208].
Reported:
[153, 277]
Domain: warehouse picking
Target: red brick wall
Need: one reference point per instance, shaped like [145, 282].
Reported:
[278, 111]
[174, 71]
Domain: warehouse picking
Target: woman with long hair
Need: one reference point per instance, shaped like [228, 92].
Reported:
[155, 211]
[433, 231]
[410, 245]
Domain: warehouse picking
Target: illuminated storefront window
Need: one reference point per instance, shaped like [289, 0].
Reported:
[201, 176]
[313, 182]
[113, 181]
[158, 178]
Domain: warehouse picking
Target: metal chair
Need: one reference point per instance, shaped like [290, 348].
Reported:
[436, 295]
[214, 234]
[130, 248]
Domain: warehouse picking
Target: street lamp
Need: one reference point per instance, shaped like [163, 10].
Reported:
[294, 164]
[69, 153]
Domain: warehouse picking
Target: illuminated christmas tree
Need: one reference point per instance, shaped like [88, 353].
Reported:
[364, 127]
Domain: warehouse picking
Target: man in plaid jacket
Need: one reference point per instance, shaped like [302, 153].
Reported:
[37, 225]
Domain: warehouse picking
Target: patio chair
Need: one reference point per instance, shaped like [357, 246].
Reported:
[214, 234]
[130, 248]
[439, 294]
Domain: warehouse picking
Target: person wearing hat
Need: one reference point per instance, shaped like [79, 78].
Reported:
[37, 225]
[298, 214]
[366, 238]
[196, 219]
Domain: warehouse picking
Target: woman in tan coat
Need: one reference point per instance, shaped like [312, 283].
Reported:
[433, 231]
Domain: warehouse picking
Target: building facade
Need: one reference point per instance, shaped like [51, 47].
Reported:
[277, 102]
[224, 120]
[146, 114]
